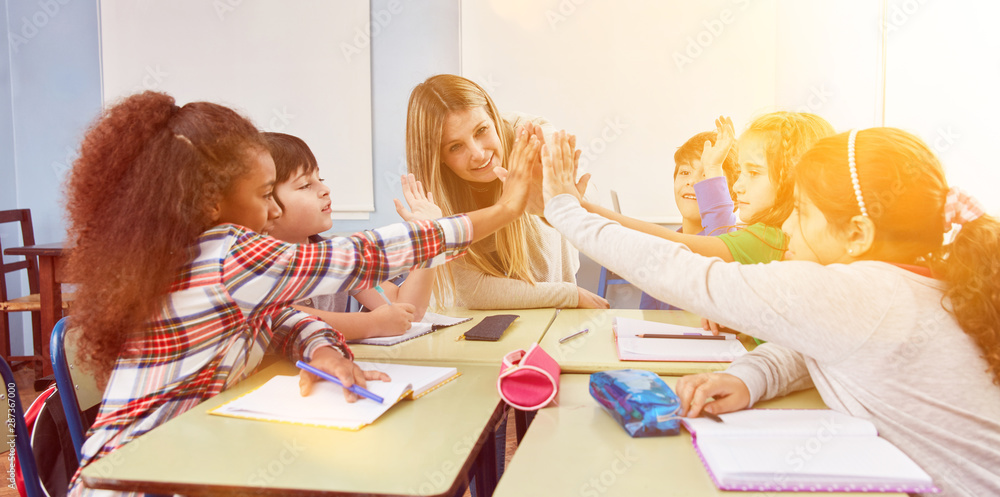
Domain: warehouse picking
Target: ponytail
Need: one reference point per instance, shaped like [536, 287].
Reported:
[971, 267]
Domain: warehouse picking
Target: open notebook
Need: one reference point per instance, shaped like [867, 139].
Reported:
[802, 450]
[633, 348]
[429, 323]
[279, 400]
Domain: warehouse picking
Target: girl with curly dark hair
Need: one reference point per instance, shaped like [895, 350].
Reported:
[180, 295]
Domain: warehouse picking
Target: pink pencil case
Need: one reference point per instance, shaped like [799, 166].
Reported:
[528, 380]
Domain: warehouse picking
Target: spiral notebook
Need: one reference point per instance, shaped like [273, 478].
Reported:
[279, 400]
[431, 322]
[802, 450]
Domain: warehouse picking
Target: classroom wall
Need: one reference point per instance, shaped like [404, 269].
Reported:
[51, 91]
[415, 39]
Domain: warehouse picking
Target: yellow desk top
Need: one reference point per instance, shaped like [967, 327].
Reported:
[596, 350]
[442, 345]
[423, 446]
[577, 449]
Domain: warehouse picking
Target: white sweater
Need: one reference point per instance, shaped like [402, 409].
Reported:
[872, 337]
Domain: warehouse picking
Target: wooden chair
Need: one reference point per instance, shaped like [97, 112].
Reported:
[28, 303]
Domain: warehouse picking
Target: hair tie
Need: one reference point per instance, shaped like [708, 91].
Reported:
[961, 208]
[854, 171]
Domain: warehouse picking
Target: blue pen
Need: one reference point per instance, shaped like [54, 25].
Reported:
[382, 293]
[333, 379]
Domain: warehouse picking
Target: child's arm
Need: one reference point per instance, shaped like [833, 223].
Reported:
[824, 312]
[768, 372]
[712, 193]
[415, 291]
[709, 246]
[384, 321]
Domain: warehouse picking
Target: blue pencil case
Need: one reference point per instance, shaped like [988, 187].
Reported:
[639, 400]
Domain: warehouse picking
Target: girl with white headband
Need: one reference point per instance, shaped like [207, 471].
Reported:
[875, 310]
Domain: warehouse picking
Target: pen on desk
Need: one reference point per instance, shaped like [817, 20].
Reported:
[713, 417]
[573, 335]
[382, 293]
[336, 381]
[693, 337]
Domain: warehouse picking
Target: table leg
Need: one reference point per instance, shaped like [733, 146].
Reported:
[486, 468]
[50, 295]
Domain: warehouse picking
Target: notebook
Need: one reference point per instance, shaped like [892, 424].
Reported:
[279, 400]
[430, 322]
[802, 450]
[633, 348]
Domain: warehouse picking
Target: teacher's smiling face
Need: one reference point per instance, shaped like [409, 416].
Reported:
[470, 145]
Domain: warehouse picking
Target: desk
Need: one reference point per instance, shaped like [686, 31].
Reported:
[442, 345]
[426, 447]
[578, 449]
[50, 279]
[596, 350]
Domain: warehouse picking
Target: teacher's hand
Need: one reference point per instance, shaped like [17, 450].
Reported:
[518, 179]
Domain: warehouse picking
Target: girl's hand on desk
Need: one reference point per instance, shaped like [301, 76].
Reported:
[330, 360]
[392, 320]
[589, 300]
[729, 392]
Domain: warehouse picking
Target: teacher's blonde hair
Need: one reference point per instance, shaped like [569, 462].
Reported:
[430, 104]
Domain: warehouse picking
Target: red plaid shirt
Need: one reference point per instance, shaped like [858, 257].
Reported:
[230, 305]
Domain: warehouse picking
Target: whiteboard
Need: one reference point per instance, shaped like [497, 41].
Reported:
[634, 80]
[301, 67]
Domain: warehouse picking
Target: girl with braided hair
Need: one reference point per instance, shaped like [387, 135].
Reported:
[875, 308]
[767, 150]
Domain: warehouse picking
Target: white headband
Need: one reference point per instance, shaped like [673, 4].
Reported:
[854, 171]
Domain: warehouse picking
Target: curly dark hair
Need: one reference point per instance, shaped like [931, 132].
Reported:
[144, 187]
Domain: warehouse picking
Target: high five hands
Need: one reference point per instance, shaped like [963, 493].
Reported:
[536, 203]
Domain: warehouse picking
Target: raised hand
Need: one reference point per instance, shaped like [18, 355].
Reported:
[422, 206]
[713, 156]
[518, 179]
[559, 161]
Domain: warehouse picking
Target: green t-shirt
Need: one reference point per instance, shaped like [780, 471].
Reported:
[756, 243]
